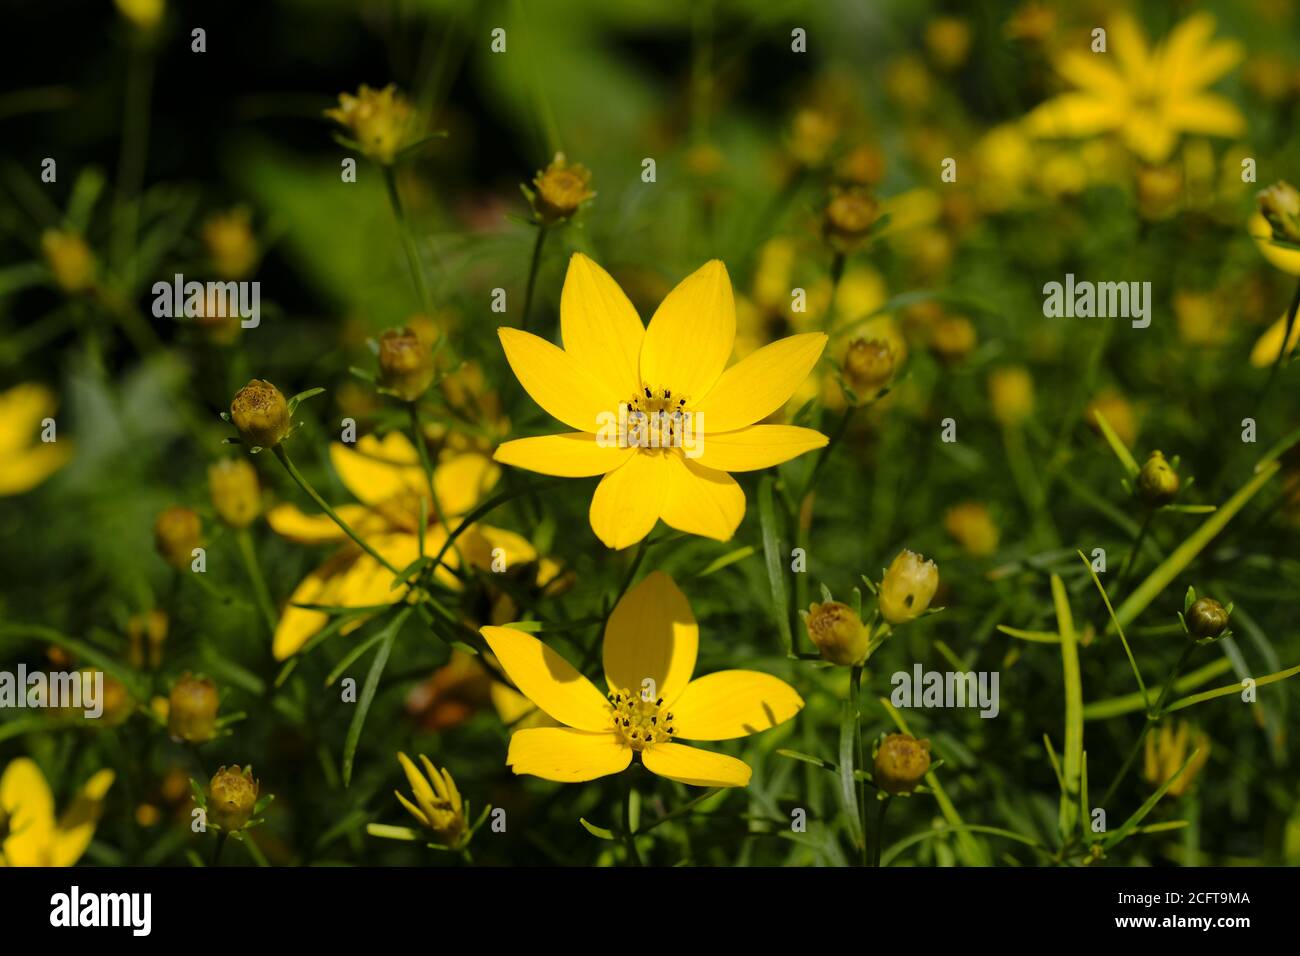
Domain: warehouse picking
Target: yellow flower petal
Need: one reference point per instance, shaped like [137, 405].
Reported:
[651, 634]
[1264, 354]
[478, 543]
[1288, 260]
[703, 501]
[297, 624]
[1075, 114]
[420, 786]
[376, 470]
[548, 680]
[22, 471]
[628, 500]
[600, 327]
[730, 704]
[1129, 47]
[758, 446]
[699, 768]
[1150, 136]
[21, 410]
[760, 383]
[566, 755]
[557, 381]
[289, 522]
[516, 710]
[461, 482]
[1092, 73]
[77, 825]
[29, 806]
[690, 337]
[1208, 114]
[575, 455]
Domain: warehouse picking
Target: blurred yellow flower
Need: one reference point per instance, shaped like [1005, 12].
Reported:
[1011, 394]
[438, 805]
[668, 386]
[1149, 96]
[1267, 347]
[26, 462]
[972, 527]
[379, 120]
[561, 188]
[145, 14]
[69, 259]
[1167, 749]
[386, 477]
[650, 646]
[228, 237]
[1118, 412]
[1203, 319]
[948, 40]
[29, 833]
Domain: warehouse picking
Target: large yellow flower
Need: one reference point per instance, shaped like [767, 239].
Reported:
[674, 372]
[1147, 95]
[29, 833]
[24, 461]
[650, 646]
[386, 477]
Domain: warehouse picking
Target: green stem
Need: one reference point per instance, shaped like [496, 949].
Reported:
[836, 437]
[532, 274]
[408, 241]
[629, 838]
[855, 696]
[131, 162]
[222, 837]
[285, 460]
[1131, 561]
[878, 830]
[417, 436]
[260, 590]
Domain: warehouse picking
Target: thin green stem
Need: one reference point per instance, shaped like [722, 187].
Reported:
[260, 590]
[878, 831]
[542, 229]
[408, 241]
[855, 696]
[131, 161]
[417, 436]
[222, 837]
[285, 460]
[1131, 561]
[629, 837]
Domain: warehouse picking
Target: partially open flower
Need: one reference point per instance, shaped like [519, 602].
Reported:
[1206, 618]
[560, 189]
[908, 587]
[1280, 205]
[902, 762]
[192, 709]
[230, 243]
[260, 414]
[1011, 394]
[69, 259]
[438, 805]
[177, 531]
[1157, 482]
[379, 120]
[868, 367]
[406, 364]
[236, 496]
[838, 633]
[232, 795]
[971, 526]
[850, 213]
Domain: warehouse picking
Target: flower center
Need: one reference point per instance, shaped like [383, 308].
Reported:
[657, 419]
[639, 721]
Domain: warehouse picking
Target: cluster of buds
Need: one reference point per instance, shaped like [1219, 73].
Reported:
[1280, 205]
[559, 191]
[901, 763]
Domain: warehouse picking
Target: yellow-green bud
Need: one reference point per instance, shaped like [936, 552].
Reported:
[232, 795]
[232, 482]
[560, 189]
[838, 633]
[1157, 482]
[192, 709]
[902, 762]
[177, 531]
[260, 414]
[850, 214]
[406, 364]
[1206, 618]
[379, 120]
[908, 587]
[868, 366]
[69, 259]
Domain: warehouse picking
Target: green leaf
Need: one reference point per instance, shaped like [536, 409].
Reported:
[1072, 765]
[775, 564]
[596, 831]
[728, 559]
[848, 786]
[368, 692]
[1118, 447]
[1129, 825]
[1137, 674]
[1039, 637]
[1231, 689]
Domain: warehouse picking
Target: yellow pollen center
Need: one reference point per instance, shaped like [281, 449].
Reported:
[638, 721]
[657, 418]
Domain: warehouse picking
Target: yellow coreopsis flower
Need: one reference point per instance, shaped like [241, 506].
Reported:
[438, 805]
[650, 646]
[30, 835]
[656, 410]
[385, 476]
[24, 461]
[1147, 95]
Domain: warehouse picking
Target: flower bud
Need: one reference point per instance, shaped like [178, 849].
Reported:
[232, 795]
[560, 190]
[971, 526]
[1280, 205]
[850, 213]
[260, 414]
[1206, 618]
[948, 40]
[177, 531]
[438, 805]
[1011, 395]
[1157, 482]
[232, 482]
[952, 338]
[192, 709]
[908, 587]
[868, 366]
[838, 633]
[146, 634]
[379, 120]
[228, 237]
[70, 259]
[812, 134]
[863, 165]
[405, 364]
[902, 762]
